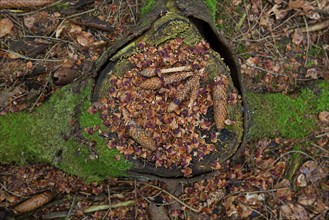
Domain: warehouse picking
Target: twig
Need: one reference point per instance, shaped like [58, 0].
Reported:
[110, 203]
[131, 11]
[289, 152]
[316, 27]
[4, 188]
[17, 97]
[136, 193]
[260, 68]
[322, 135]
[174, 197]
[96, 208]
[71, 208]
[308, 41]
[32, 107]
[79, 14]
[321, 148]
[32, 59]
[240, 23]
[56, 215]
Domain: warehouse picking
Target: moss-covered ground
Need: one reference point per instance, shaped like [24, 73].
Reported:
[45, 135]
[292, 116]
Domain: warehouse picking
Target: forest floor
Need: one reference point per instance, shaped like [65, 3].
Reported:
[281, 45]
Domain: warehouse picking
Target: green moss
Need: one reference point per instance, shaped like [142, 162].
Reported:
[212, 5]
[323, 103]
[147, 7]
[46, 136]
[287, 116]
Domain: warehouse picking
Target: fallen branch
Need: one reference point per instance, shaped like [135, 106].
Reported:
[316, 27]
[96, 208]
[93, 22]
[174, 197]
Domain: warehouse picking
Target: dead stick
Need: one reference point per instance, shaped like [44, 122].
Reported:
[316, 27]
[152, 72]
[174, 197]
[96, 208]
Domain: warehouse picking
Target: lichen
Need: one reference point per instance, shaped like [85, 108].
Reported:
[284, 115]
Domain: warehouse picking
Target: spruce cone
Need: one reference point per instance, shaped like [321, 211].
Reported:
[219, 99]
[140, 135]
[24, 3]
[34, 202]
[182, 95]
[152, 83]
[177, 77]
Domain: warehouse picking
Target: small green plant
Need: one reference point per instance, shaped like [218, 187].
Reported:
[147, 7]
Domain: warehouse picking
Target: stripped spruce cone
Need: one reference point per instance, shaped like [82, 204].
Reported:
[137, 133]
[219, 100]
[24, 3]
[183, 94]
[152, 83]
[34, 202]
[194, 93]
[156, 82]
[176, 77]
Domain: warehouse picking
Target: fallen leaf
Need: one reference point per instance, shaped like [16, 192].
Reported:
[324, 117]
[279, 14]
[6, 26]
[29, 21]
[301, 181]
[297, 37]
[312, 171]
[244, 211]
[312, 73]
[293, 211]
[85, 39]
[308, 196]
[300, 4]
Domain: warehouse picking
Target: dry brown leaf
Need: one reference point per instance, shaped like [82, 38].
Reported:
[308, 196]
[6, 26]
[324, 117]
[244, 211]
[312, 171]
[293, 211]
[297, 37]
[300, 4]
[301, 181]
[29, 21]
[279, 14]
[85, 39]
[312, 73]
